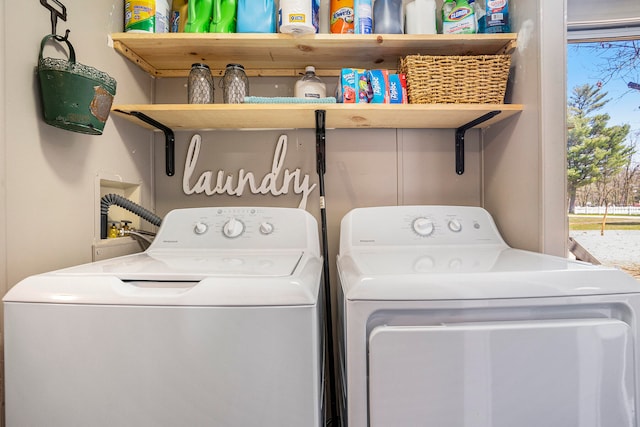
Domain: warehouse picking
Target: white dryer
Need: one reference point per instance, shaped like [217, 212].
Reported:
[216, 324]
[444, 325]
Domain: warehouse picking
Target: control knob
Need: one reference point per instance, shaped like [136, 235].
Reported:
[423, 226]
[200, 228]
[233, 228]
[266, 228]
[455, 226]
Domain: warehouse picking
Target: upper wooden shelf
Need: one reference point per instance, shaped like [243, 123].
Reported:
[285, 116]
[171, 54]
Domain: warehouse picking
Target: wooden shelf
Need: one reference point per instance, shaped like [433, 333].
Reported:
[292, 116]
[171, 54]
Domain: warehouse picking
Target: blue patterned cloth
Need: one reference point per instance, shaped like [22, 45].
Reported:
[287, 100]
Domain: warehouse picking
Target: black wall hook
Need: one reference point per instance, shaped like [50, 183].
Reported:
[55, 14]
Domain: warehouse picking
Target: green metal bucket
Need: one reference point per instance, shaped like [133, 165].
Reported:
[75, 97]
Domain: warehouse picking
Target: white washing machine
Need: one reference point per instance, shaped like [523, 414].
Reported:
[445, 325]
[216, 324]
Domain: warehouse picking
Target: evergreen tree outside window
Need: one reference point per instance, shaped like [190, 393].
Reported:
[603, 130]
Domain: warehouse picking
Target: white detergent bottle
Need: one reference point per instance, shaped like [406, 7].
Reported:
[310, 86]
[421, 17]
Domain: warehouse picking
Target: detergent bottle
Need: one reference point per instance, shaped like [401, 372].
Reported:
[257, 16]
[421, 17]
[199, 16]
[388, 17]
[223, 17]
[178, 17]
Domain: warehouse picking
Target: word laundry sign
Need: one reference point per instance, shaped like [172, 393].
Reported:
[275, 182]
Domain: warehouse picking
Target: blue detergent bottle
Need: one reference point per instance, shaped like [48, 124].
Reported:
[256, 16]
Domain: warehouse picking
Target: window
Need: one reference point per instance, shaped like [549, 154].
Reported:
[603, 120]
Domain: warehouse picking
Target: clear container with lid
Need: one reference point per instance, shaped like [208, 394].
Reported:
[235, 84]
[310, 86]
[200, 84]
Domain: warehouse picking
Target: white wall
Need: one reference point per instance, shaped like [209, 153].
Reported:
[524, 160]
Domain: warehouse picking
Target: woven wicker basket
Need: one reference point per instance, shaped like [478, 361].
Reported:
[480, 79]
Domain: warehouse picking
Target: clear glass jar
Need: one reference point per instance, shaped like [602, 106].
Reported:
[200, 84]
[235, 84]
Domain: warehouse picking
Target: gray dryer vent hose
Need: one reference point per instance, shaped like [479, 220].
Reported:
[115, 199]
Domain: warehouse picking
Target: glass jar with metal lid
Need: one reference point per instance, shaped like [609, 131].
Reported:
[200, 84]
[235, 84]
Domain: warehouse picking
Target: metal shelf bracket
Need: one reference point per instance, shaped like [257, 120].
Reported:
[169, 139]
[460, 132]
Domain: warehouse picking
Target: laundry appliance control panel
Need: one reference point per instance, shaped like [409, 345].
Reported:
[419, 225]
[236, 228]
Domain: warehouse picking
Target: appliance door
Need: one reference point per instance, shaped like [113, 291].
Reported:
[162, 366]
[577, 372]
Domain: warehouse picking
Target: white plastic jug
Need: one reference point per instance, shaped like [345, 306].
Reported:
[421, 17]
[310, 86]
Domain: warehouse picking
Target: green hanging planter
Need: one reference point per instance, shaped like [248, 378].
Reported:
[75, 97]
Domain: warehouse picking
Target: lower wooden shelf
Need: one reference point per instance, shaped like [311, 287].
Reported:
[302, 116]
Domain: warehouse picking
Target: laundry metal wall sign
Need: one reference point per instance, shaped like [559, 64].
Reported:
[275, 182]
